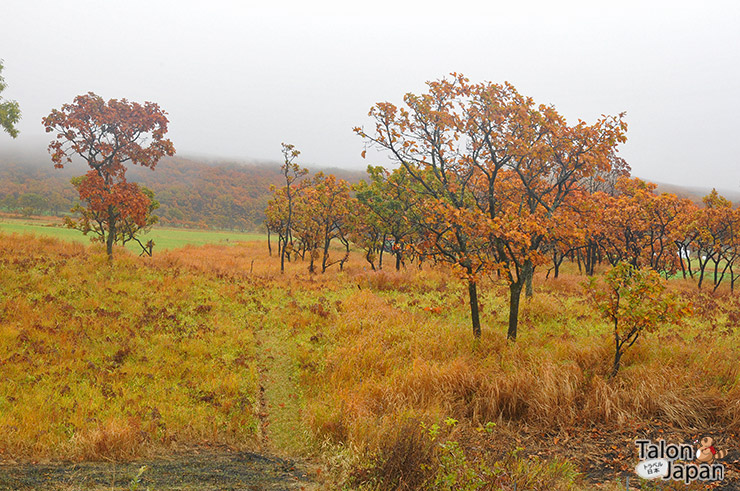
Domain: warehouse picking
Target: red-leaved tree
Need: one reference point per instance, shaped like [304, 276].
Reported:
[108, 136]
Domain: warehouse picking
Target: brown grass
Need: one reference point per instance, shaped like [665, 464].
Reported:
[378, 353]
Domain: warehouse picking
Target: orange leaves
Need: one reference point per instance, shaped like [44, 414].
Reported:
[491, 170]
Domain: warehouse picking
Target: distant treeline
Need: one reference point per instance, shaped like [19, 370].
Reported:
[191, 193]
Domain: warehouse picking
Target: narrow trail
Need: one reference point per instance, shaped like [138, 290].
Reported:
[282, 431]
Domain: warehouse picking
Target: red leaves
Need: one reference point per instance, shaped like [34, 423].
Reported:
[108, 135]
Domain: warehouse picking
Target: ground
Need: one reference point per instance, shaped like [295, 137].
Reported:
[198, 469]
[322, 379]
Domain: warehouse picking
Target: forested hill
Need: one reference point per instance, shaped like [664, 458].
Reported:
[192, 192]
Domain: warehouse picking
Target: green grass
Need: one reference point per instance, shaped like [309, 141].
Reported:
[164, 238]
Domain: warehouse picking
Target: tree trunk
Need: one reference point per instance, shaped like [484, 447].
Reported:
[282, 256]
[398, 261]
[325, 257]
[109, 245]
[515, 290]
[110, 240]
[474, 313]
[593, 260]
[528, 274]
[617, 358]
[732, 280]
[346, 255]
[382, 249]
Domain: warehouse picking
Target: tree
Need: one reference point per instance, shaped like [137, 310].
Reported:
[641, 227]
[10, 112]
[634, 300]
[107, 136]
[322, 215]
[714, 233]
[386, 210]
[291, 172]
[492, 172]
[31, 203]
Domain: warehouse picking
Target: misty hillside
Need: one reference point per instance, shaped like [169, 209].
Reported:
[197, 192]
[192, 192]
[696, 193]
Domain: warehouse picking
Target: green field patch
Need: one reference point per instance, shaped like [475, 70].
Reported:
[164, 238]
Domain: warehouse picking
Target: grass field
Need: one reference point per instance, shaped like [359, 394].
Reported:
[164, 238]
[375, 374]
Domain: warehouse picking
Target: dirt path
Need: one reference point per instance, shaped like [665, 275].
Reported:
[208, 469]
[282, 430]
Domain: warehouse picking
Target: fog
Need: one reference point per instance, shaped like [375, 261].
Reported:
[238, 78]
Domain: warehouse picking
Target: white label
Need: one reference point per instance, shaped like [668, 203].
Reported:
[651, 469]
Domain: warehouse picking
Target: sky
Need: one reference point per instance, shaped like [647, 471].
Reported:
[239, 78]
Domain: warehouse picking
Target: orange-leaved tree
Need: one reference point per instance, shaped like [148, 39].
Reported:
[108, 136]
[321, 216]
[641, 227]
[714, 234]
[492, 171]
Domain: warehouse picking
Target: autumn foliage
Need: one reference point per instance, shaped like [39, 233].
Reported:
[108, 136]
[493, 172]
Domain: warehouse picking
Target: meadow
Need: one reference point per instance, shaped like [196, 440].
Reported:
[164, 237]
[374, 374]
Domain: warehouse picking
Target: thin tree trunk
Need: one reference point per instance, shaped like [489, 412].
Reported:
[282, 254]
[325, 258]
[617, 358]
[346, 256]
[515, 290]
[474, 313]
[109, 245]
[269, 244]
[382, 249]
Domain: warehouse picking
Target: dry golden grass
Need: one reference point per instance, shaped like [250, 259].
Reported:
[116, 362]
[103, 362]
